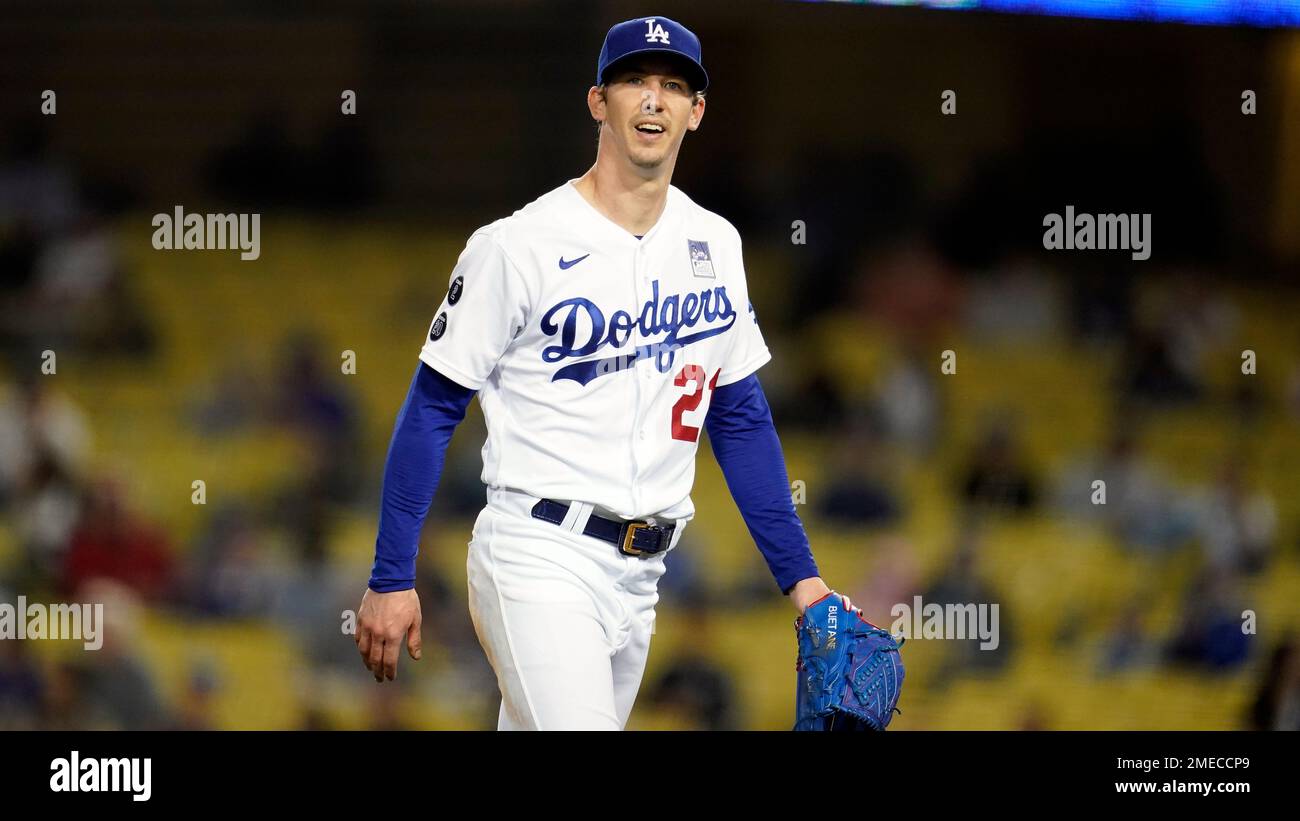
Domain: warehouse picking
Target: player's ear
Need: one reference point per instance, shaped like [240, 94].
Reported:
[697, 112]
[596, 103]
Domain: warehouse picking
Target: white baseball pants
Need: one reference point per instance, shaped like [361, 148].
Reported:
[565, 619]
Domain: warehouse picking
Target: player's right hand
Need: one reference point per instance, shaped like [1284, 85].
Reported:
[384, 622]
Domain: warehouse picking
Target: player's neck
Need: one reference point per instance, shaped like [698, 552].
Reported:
[624, 196]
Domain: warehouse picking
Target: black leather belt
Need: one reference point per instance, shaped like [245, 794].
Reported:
[631, 538]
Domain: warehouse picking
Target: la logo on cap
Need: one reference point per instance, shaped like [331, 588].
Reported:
[655, 32]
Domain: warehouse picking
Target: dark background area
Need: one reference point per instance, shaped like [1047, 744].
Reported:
[465, 106]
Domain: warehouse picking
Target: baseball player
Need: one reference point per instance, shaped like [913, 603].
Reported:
[601, 326]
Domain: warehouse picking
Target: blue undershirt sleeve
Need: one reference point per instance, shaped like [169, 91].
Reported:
[434, 406]
[746, 446]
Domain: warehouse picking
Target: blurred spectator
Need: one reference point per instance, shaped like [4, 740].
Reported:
[318, 409]
[859, 486]
[38, 198]
[62, 707]
[44, 446]
[1277, 704]
[963, 584]
[1143, 508]
[111, 542]
[894, 578]
[113, 685]
[62, 283]
[231, 403]
[907, 398]
[36, 186]
[997, 476]
[48, 510]
[1210, 634]
[692, 688]
[910, 289]
[1014, 303]
[226, 572]
[302, 508]
[22, 687]
[1126, 645]
[74, 273]
[1197, 319]
[39, 422]
[1101, 305]
[310, 595]
[1152, 372]
[197, 710]
[1237, 525]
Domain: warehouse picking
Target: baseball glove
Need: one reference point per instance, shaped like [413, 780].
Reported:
[850, 671]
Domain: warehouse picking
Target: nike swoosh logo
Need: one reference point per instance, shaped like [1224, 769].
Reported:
[567, 264]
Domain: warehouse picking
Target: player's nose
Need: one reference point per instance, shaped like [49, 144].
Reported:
[652, 100]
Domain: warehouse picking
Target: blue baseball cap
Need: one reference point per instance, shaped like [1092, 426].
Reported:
[653, 35]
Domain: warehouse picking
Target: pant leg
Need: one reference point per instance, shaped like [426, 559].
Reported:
[542, 627]
[638, 593]
[629, 668]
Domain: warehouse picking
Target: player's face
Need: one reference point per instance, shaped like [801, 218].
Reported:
[647, 108]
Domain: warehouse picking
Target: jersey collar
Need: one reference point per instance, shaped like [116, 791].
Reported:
[614, 229]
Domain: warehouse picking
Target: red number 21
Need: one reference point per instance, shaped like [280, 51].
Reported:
[690, 401]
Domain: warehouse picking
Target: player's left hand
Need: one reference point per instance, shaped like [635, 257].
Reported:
[810, 590]
[385, 621]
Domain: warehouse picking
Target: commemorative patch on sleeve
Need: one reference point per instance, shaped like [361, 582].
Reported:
[701, 262]
[439, 327]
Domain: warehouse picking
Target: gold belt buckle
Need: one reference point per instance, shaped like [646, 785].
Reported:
[627, 547]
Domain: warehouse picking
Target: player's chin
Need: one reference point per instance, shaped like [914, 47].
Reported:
[648, 158]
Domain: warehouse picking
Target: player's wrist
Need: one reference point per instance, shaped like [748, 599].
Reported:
[807, 591]
[390, 585]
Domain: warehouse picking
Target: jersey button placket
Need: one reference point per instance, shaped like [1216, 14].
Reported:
[641, 294]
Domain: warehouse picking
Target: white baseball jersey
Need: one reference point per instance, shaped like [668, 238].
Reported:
[595, 353]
